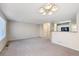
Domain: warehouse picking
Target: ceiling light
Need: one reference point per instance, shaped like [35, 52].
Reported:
[48, 9]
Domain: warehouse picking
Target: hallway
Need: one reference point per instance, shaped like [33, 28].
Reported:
[36, 47]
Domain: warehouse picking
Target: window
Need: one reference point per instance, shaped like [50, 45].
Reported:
[2, 28]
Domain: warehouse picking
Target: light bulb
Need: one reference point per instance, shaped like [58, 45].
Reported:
[44, 13]
[41, 10]
[54, 8]
[48, 6]
[50, 13]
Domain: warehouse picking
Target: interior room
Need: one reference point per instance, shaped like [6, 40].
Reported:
[39, 29]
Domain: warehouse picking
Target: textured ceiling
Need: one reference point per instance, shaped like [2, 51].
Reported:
[29, 12]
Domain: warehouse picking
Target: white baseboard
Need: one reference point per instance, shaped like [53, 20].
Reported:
[24, 38]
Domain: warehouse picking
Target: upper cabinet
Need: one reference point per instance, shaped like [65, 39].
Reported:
[66, 26]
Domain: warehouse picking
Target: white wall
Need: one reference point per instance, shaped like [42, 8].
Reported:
[41, 30]
[78, 22]
[17, 30]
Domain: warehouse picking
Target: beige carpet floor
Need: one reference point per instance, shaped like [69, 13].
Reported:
[36, 47]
